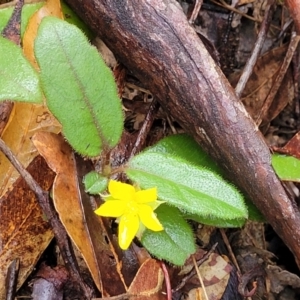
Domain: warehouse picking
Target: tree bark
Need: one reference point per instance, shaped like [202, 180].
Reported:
[154, 40]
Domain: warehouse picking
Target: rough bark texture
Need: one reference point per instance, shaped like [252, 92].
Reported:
[154, 40]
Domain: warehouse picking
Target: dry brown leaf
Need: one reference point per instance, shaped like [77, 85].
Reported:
[292, 147]
[215, 273]
[25, 120]
[148, 281]
[261, 81]
[83, 226]
[24, 232]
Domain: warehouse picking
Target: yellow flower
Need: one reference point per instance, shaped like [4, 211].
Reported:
[131, 207]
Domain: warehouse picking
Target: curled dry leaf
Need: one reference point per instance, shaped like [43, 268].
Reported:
[83, 226]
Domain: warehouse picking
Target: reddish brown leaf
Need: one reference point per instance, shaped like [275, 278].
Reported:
[24, 232]
[147, 283]
[292, 147]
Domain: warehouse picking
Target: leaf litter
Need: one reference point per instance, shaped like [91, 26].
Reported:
[283, 125]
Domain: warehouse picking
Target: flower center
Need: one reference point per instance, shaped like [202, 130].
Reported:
[132, 207]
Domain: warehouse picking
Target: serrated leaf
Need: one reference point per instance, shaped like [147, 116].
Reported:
[176, 242]
[190, 188]
[95, 183]
[79, 87]
[185, 147]
[286, 167]
[18, 80]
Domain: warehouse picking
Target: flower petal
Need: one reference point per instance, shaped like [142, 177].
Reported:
[128, 227]
[121, 191]
[111, 208]
[148, 218]
[145, 196]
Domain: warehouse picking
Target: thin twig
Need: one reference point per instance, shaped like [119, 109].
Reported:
[227, 6]
[193, 271]
[141, 138]
[11, 279]
[200, 278]
[247, 71]
[225, 239]
[195, 12]
[167, 281]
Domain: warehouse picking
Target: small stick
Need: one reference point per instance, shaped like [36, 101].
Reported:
[200, 278]
[247, 71]
[195, 12]
[193, 271]
[167, 281]
[11, 279]
[141, 138]
[225, 239]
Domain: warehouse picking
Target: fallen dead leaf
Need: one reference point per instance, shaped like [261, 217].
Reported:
[292, 147]
[24, 121]
[260, 84]
[215, 273]
[83, 226]
[148, 281]
[24, 232]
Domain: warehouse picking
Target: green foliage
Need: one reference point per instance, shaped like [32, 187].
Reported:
[185, 147]
[95, 183]
[79, 87]
[176, 242]
[286, 167]
[18, 80]
[215, 221]
[72, 18]
[193, 189]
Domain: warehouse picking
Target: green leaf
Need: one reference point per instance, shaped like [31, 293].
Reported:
[176, 242]
[254, 213]
[185, 147]
[95, 183]
[72, 18]
[217, 222]
[79, 87]
[286, 167]
[18, 80]
[188, 187]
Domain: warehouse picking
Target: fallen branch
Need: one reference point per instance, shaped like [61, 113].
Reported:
[154, 40]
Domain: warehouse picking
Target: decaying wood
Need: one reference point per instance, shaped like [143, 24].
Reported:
[154, 40]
